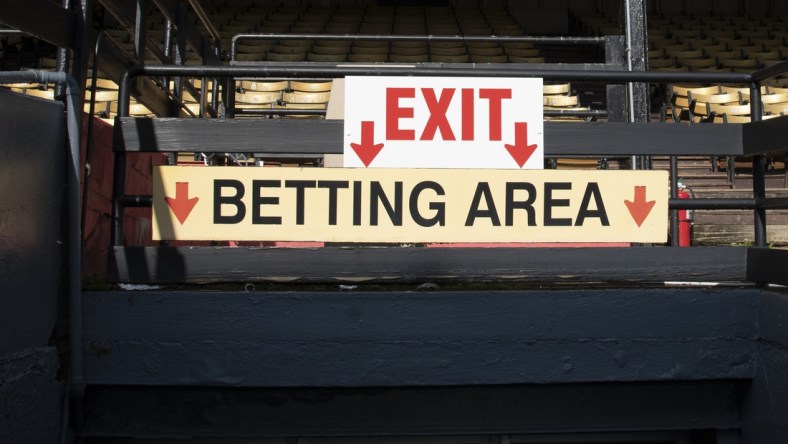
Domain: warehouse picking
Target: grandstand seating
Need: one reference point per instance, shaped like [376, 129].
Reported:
[676, 43]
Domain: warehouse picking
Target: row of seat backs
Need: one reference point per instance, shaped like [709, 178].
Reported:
[723, 103]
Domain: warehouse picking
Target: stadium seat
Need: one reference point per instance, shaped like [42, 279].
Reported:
[309, 87]
[263, 85]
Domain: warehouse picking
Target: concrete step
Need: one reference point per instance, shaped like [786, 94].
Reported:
[773, 180]
[705, 180]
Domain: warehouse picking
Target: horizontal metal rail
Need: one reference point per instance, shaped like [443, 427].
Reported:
[306, 70]
[142, 200]
[744, 203]
[321, 112]
[412, 38]
[770, 72]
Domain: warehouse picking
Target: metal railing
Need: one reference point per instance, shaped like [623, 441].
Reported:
[412, 38]
[607, 42]
[758, 203]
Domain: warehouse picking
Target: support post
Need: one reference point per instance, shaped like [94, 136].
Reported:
[674, 194]
[83, 43]
[637, 56]
[616, 94]
[140, 30]
[758, 169]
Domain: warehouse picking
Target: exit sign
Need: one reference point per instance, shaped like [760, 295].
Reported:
[443, 122]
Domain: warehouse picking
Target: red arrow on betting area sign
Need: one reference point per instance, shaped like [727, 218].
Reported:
[181, 205]
[640, 208]
[443, 122]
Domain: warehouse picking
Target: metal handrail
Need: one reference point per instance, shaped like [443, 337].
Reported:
[307, 70]
[758, 203]
[410, 38]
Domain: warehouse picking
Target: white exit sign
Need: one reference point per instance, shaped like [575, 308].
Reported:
[443, 122]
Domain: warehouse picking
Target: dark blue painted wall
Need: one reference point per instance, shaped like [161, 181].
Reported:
[766, 406]
[32, 162]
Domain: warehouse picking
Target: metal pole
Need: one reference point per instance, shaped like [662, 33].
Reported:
[758, 169]
[62, 58]
[410, 38]
[309, 70]
[635, 34]
[674, 194]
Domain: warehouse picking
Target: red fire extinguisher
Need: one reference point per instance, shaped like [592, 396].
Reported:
[685, 223]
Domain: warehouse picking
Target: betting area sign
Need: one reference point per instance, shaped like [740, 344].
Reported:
[443, 122]
[409, 205]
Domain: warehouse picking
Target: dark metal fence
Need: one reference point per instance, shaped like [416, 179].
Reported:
[758, 203]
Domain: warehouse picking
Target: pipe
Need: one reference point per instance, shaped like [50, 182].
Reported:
[674, 195]
[729, 203]
[89, 137]
[308, 69]
[630, 85]
[411, 38]
[74, 257]
[770, 71]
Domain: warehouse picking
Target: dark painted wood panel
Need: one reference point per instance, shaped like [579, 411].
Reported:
[325, 136]
[640, 265]
[774, 320]
[386, 316]
[767, 265]
[32, 179]
[285, 136]
[319, 339]
[619, 138]
[766, 136]
[181, 411]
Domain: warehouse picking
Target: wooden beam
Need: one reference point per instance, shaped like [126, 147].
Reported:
[416, 264]
[663, 411]
[409, 338]
[284, 136]
[194, 37]
[290, 136]
[765, 136]
[114, 62]
[767, 265]
[125, 12]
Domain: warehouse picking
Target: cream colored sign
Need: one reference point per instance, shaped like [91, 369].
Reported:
[409, 205]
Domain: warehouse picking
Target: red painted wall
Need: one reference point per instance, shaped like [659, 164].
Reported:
[137, 228]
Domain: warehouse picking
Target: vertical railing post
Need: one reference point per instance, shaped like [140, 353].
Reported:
[674, 194]
[758, 169]
[140, 30]
[180, 55]
[636, 58]
[169, 31]
[62, 58]
[616, 94]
